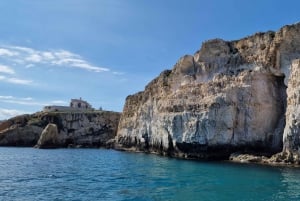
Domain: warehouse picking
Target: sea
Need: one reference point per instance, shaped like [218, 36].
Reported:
[100, 174]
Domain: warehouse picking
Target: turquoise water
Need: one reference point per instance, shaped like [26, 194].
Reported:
[96, 174]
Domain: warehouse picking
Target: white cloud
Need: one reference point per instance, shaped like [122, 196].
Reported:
[29, 101]
[19, 81]
[8, 113]
[15, 80]
[58, 102]
[6, 97]
[21, 49]
[48, 55]
[23, 102]
[27, 98]
[62, 58]
[6, 69]
[70, 59]
[89, 67]
[34, 58]
[65, 54]
[20, 101]
[6, 52]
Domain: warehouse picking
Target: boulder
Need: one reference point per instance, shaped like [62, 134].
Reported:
[49, 137]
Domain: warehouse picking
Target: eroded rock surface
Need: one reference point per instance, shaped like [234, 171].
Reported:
[75, 129]
[291, 137]
[229, 96]
[17, 132]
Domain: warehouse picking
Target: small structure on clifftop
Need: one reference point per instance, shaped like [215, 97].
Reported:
[75, 105]
[80, 104]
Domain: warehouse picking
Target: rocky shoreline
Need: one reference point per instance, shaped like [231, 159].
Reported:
[279, 159]
[232, 100]
[27, 131]
[276, 160]
[60, 129]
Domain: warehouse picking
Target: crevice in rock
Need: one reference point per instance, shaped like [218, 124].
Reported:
[277, 141]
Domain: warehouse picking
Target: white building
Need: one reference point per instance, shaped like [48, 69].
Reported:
[75, 105]
[80, 104]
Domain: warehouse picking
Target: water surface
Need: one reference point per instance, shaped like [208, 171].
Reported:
[98, 174]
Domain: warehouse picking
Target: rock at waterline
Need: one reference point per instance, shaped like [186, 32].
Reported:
[49, 137]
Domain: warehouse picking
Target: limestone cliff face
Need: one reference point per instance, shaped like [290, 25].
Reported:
[86, 129]
[228, 96]
[291, 136]
[17, 132]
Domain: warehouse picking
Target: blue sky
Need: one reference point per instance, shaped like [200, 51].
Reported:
[103, 50]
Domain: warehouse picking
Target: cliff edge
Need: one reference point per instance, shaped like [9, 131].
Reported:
[229, 96]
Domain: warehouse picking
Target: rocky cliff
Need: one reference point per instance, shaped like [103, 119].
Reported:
[229, 96]
[83, 129]
[292, 129]
[20, 131]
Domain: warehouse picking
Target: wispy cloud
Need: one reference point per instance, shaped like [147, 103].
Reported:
[6, 69]
[21, 101]
[8, 113]
[15, 80]
[6, 52]
[29, 101]
[29, 57]
[19, 81]
[9, 75]
[6, 97]
[58, 102]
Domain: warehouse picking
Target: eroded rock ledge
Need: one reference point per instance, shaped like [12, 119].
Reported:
[229, 96]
